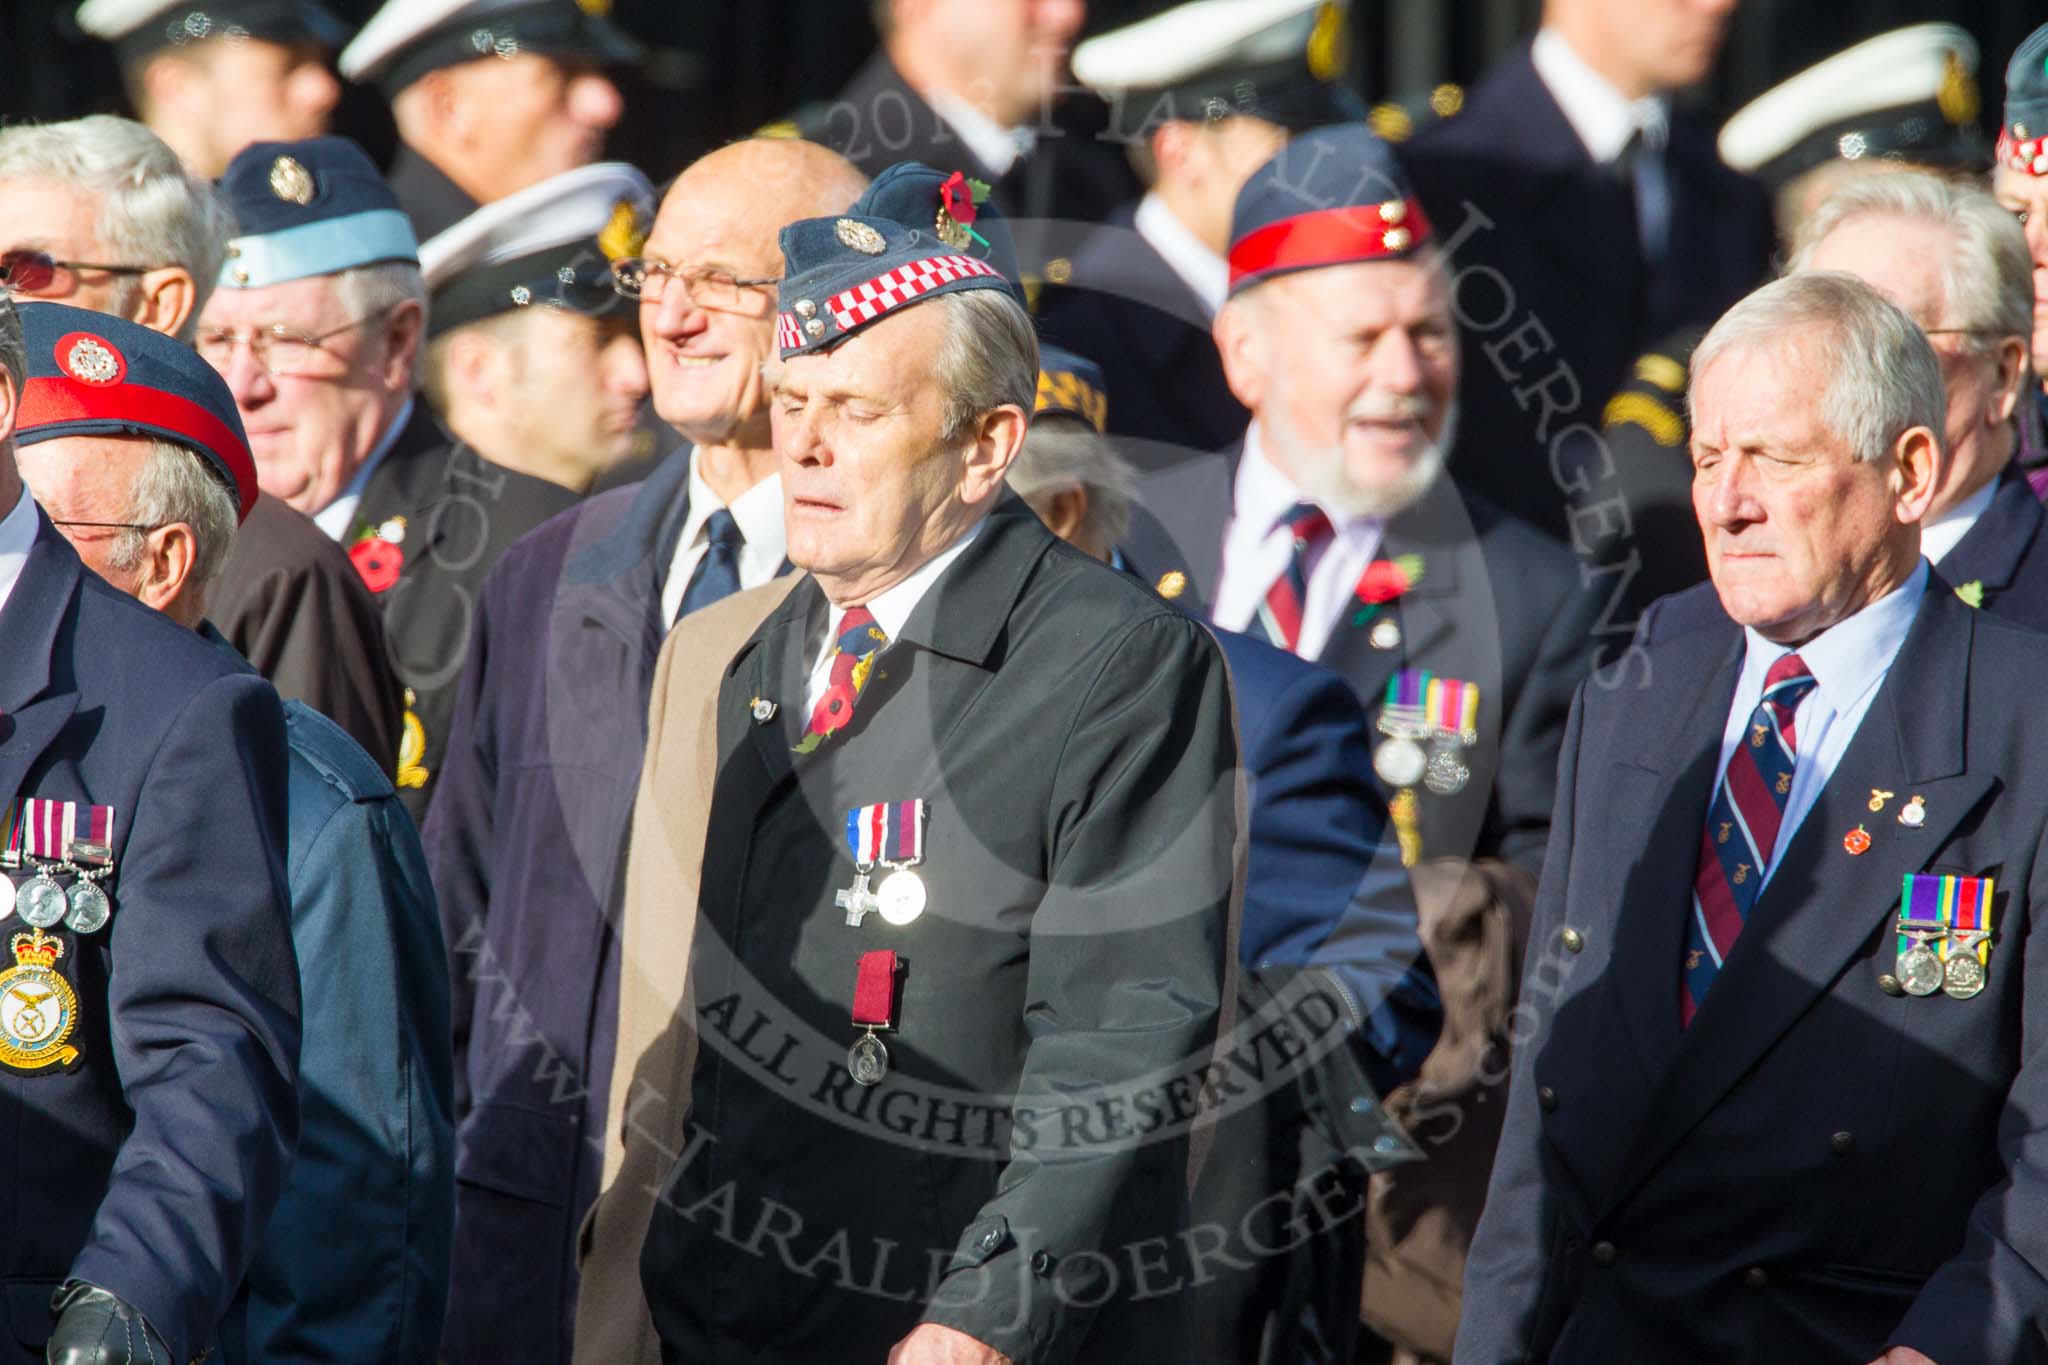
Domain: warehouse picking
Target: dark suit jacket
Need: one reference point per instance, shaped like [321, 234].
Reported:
[461, 513]
[1073, 736]
[2004, 553]
[1509, 185]
[1497, 605]
[151, 1166]
[290, 603]
[433, 201]
[1124, 308]
[526, 842]
[1815, 1169]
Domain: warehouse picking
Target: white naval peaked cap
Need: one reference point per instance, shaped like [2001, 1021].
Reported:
[1812, 117]
[140, 27]
[1191, 39]
[405, 39]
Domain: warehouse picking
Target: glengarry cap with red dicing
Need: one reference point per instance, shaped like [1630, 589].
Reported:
[2023, 130]
[1334, 196]
[842, 273]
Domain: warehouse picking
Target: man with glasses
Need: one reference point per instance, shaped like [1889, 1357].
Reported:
[537, 787]
[100, 214]
[317, 327]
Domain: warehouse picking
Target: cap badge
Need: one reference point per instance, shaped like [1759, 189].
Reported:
[622, 236]
[1957, 98]
[291, 181]
[1328, 43]
[860, 237]
[960, 201]
[596, 9]
[90, 360]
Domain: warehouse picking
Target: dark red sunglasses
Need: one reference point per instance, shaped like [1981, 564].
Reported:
[30, 271]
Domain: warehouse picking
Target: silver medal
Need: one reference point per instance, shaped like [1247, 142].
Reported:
[1386, 633]
[856, 900]
[867, 1061]
[901, 896]
[1963, 976]
[1920, 970]
[88, 907]
[40, 902]
[1447, 774]
[1400, 762]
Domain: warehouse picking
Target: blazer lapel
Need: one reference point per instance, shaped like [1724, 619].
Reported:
[777, 669]
[1823, 904]
[1990, 553]
[35, 699]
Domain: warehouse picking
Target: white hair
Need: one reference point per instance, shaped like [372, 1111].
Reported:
[178, 484]
[151, 211]
[1882, 377]
[1987, 279]
[988, 360]
[1062, 453]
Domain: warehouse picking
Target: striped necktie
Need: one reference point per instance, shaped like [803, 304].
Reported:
[853, 659]
[1279, 616]
[1742, 830]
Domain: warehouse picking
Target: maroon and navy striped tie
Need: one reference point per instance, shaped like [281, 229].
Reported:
[1279, 616]
[1742, 829]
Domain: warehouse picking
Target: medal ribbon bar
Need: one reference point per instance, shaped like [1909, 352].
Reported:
[874, 990]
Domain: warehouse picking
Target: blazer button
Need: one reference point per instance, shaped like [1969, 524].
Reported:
[1603, 1254]
[1573, 940]
[1041, 1263]
[1755, 1277]
[1842, 1143]
[1546, 1099]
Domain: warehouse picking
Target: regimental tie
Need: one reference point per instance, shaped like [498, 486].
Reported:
[853, 660]
[1279, 616]
[1742, 830]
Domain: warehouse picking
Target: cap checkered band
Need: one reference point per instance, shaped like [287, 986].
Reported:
[789, 331]
[865, 302]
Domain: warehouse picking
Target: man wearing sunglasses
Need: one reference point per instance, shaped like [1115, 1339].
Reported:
[526, 835]
[99, 214]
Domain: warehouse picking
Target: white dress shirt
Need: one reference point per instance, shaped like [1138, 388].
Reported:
[1848, 661]
[1603, 117]
[891, 609]
[1188, 256]
[993, 145]
[17, 537]
[1257, 548]
[758, 512]
[335, 517]
[1941, 535]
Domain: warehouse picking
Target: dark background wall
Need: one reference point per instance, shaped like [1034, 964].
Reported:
[722, 68]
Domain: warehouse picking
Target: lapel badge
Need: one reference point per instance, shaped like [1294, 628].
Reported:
[1386, 633]
[1914, 813]
[1878, 796]
[1856, 842]
[762, 710]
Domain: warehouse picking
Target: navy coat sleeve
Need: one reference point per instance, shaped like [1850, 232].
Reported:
[377, 1146]
[1325, 887]
[1509, 1263]
[204, 1003]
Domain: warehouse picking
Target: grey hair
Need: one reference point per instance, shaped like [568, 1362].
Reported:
[1987, 274]
[1882, 376]
[1064, 452]
[368, 290]
[152, 212]
[179, 484]
[988, 360]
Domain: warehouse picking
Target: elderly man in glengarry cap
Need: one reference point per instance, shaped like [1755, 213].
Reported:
[969, 858]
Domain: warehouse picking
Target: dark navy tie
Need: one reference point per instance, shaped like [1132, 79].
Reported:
[718, 573]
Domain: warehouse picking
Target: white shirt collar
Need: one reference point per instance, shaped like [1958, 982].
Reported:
[1941, 535]
[758, 512]
[1602, 116]
[1850, 657]
[17, 537]
[993, 145]
[335, 517]
[1201, 269]
[1263, 494]
[891, 610]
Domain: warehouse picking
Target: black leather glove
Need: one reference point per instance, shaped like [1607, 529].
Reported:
[96, 1328]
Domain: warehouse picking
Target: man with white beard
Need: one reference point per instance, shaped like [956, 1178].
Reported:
[1334, 532]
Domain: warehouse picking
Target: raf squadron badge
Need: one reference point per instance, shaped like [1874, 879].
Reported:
[38, 1009]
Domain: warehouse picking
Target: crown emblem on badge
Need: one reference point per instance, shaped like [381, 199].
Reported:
[37, 949]
[860, 237]
[290, 181]
[89, 360]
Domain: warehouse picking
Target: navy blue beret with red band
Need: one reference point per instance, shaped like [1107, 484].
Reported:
[90, 374]
[1334, 196]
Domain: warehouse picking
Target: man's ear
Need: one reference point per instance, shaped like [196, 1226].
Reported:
[1065, 512]
[166, 300]
[164, 579]
[1918, 461]
[2012, 378]
[404, 327]
[998, 438]
[1241, 349]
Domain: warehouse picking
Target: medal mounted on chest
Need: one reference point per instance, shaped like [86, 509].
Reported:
[887, 834]
[874, 1008]
[1945, 934]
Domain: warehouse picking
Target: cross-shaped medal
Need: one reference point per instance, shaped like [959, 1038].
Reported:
[856, 900]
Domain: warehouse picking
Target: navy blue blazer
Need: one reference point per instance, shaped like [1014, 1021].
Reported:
[1545, 341]
[1124, 308]
[526, 843]
[377, 1146]
[1818, 1168]
[150, 1168]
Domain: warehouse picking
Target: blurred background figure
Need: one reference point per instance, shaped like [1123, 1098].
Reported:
[532, 358]
[490, 96]
[1204, 94]
[209, 79]
[101, 215]
[1606, 217]
[2021, 184]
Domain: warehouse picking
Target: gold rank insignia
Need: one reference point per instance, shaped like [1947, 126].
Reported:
[38, 1008]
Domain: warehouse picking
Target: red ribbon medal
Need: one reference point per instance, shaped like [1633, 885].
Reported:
[874, 1007]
